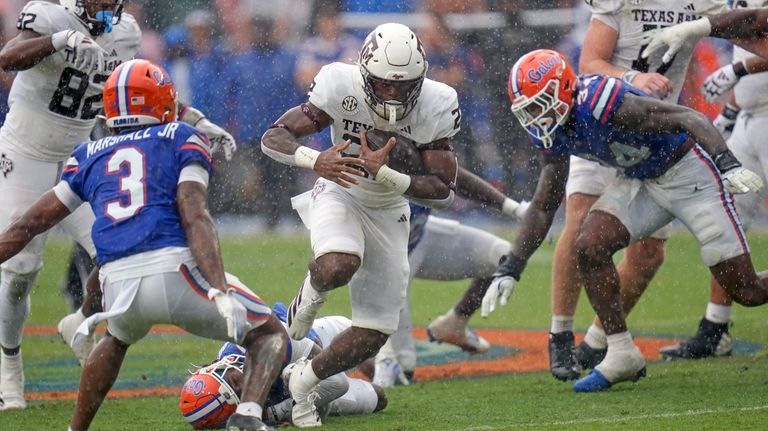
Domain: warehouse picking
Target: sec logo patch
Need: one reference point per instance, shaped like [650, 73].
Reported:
[349, 104]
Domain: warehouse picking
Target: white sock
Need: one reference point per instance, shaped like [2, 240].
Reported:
[620, 341]
[308, 375]
[595, 337]
[561, 324]
[717, 313]
[249, 409]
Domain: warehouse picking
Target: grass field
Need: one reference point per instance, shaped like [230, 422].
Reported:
[714, 394]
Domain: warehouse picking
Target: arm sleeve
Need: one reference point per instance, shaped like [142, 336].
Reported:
[65, 194]
[194, 172]
[193, 148]
[604, 96]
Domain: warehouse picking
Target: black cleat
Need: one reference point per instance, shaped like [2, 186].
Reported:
[562, 360]
[711, 340]
[588, 357]
[238, 422]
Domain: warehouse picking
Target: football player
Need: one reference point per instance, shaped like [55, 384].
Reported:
[742, 123]
[674, 164]
[156, 244]
[63, 55]
[357, 213]
[446, 250]
[612, 47]
[211, 394]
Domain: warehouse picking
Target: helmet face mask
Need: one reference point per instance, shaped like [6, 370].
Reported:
[541, 88]
[207, 397]
[393, 66]
[95, 15]
[139, 93]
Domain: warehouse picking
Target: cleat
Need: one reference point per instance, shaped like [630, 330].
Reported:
[588, 357]
[596, 381]
[711, 340]
[617, 367]
[238, 422]
[303, 414]
[303, 309]
[451, 329]
[11, 382]
[562, 359]
[388, 373]
[67, 328]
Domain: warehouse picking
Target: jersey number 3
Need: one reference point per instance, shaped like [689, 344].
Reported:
[128, 164]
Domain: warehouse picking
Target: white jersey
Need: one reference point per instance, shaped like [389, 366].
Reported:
[630, 18]
[338, 91]
[752, 90]
[53, 106]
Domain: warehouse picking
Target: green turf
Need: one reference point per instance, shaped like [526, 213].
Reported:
[711, 394]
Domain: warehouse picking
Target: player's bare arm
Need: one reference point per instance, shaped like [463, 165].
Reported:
[599, 45]
[741, 23]
[537, 220]
[45, 213]
[192, 198]
[25, 50]
[280, 142]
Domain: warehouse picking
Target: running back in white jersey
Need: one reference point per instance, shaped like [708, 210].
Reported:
[338, 91]
[630, 18]
[752, 90]
[53, 106]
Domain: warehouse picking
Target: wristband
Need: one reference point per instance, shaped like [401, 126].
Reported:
[512, 265]
[740, 69]
[725, 161]
[396, 181]
[509, 207]
[306, 157]
[730, 112]
[59, 40]
[629, 76]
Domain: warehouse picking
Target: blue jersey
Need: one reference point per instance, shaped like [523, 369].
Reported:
[130, 181]
[419, 215]
[590, 132]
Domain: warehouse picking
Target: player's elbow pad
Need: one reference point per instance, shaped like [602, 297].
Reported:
[438, 204]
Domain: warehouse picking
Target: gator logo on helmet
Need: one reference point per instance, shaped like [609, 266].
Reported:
[537, 73]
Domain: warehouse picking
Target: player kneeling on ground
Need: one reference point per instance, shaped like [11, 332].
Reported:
[156, 243]
[211, 394]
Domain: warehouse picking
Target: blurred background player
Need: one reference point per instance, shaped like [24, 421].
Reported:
[339, 395]
[664, 151]
[743, 123]
[359, 211]
[612, 47]
[156, 243]
[447, 250]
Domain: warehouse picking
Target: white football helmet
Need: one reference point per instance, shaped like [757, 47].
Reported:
[393, 65]
[102, 21]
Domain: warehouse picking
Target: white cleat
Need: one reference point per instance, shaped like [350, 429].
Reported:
[388, 373]
[11, 383]
[303, 310]
[67, 328]
[304, 414]
[621, 366]
[452, 329]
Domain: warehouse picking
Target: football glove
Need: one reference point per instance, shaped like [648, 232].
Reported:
[89, 55]
[718, 82]
[232, 311]
[220, 139]
[736, 179]
[674, 37]
[503, 283]
[725, 121]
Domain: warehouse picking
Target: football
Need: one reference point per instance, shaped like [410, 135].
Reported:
[404, 157]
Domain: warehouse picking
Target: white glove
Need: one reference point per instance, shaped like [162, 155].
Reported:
[741, 180]
[719, 82]
[232, 311]
[674, 37]
[501, 286]
[89, 55]
[220, 138]
[725, 121]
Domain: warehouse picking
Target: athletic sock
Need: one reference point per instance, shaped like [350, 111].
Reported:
[561, 324]
[595, 337]
[717, 313]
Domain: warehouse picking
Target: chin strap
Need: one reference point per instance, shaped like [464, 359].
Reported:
[392, 115]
